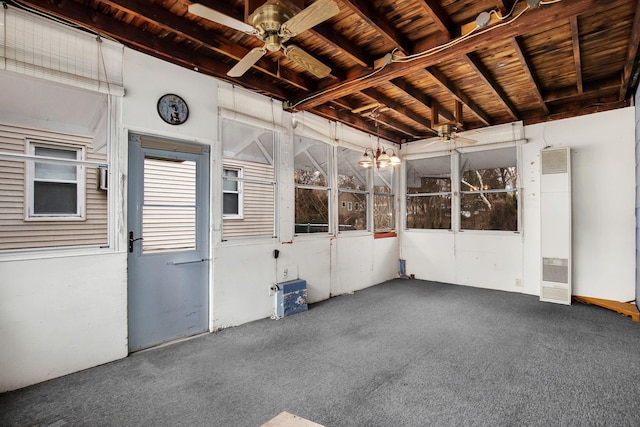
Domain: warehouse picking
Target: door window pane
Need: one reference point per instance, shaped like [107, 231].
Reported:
[169, 208]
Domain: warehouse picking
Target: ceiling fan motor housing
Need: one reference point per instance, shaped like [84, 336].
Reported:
[268, 19]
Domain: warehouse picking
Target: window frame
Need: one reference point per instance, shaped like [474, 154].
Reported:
[515, 190]
[391, 195]
[327, 188]
[238, 180]
[30, 179]
[366, 193]
[451, 194]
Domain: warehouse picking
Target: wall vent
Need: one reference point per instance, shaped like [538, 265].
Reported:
[555, 226]
[554, 161]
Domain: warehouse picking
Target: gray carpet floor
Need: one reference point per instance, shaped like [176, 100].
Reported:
[402, 353]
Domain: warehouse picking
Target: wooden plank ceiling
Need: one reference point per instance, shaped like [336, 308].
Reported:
[541, 61]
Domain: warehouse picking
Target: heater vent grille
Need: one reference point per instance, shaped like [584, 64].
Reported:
[555, 270]
[555, 294]
[554, 161]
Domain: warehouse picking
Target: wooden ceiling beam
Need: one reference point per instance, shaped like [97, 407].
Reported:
[595, 88]
[148, 43]
[438, 15]
[527, 22]
[397, 107]
[482, 71]
[356, 122]
[518, 46]
[420, 96]
[575, 37]
[367, 12]
[346, 46]
[632, 52]
[448, 85]
[202, 37]
[577, 109]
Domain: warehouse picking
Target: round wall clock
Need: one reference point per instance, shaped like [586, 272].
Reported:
[173, 109]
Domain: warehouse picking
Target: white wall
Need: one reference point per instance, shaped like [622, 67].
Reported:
[60, 311]
[60, 315]
[637, 157]
[602, 147]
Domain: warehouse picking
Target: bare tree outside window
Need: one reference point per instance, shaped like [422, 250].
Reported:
[312, 182]
[488, 190]
[429, 193]
[352, 189]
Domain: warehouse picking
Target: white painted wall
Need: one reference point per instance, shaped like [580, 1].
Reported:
[602, 147]
[60, 315]
[637, 157]
[60, 311]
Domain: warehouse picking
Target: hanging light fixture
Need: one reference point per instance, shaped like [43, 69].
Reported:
[380, 156]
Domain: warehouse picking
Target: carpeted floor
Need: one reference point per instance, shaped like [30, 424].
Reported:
[402, 353]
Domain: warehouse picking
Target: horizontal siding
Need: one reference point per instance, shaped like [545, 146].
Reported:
[15, 232]
[171, 226]
[257, 202]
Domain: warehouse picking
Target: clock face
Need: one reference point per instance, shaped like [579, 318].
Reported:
[173, 109]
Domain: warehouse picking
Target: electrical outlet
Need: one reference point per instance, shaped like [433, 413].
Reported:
[285, 273]
[518, 283]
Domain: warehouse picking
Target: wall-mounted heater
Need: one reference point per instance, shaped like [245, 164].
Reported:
[555, 227]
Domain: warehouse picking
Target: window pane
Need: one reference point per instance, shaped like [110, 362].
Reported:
[383, 212]
[55, 198]
[167, 228]
[230, 204]
[52, 171]
[257, 206]
[312, 211]
[354, 215]
[169, 211]
[431, 175]
[383, 180]
[488, 170]
[247, 143]
[169, 182]
[311, 162]
[228, 185]
[350, 175]
[429, 212]
[489, 211]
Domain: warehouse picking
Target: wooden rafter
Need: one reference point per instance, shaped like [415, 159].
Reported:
[355, 121]
[534, 18]
[201, 37]
[518, 46]
[475, 63]
[397, 106]
[446, 84]
[148, 43]
[366, 11]
[594, 88]
[438, 15]
[632, 52]
[419, 96]
[575, 37]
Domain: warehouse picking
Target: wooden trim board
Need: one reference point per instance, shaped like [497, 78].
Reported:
[628, 309]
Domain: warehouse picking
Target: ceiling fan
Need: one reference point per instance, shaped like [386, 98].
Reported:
[448, 131]
[274, 24]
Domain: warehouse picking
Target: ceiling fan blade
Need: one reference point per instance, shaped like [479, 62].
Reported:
[220, 18]
[245, 63]
[307, 61]
[464, 140]
[319, 11]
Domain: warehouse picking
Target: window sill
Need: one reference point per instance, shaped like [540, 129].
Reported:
[384, 234]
